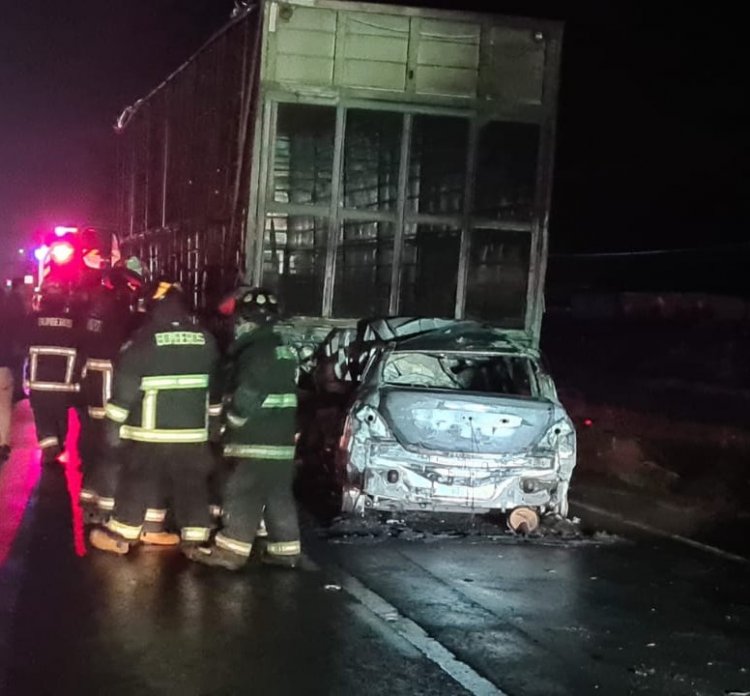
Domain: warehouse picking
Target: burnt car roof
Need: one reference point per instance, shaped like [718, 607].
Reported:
[465, 336]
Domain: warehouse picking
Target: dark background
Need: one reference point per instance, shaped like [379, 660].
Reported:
[652, 146]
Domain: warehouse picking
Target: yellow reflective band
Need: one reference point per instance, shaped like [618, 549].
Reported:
[106, 504]
[241, 548]
[195, 533]
[116, 413]
[154, 515]
[276, 452]
[87, 496]
[174, 382]
[184, 435]
[280, 401]
[97, 412]
[53, 387]
[124, 530]
[235, 421]
[53, 350]
[49, 442]
[214, 410]
[148, 410]
[98, 365]
[284, 548]
[285, 353]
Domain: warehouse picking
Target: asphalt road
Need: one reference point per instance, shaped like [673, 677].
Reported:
[389, 610]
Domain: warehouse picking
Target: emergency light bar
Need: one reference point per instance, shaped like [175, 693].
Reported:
[61, 230]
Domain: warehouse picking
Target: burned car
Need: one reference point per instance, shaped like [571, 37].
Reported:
[457, 419]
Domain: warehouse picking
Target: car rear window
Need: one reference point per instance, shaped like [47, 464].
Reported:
[495, 374]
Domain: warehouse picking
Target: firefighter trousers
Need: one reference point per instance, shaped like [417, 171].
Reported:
[99, 462]
[51, 418]
[177, 473]
[260, 488]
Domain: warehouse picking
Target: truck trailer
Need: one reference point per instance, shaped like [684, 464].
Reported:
[360, 159]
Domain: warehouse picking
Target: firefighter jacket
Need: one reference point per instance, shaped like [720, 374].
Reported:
[101, 336]
[163, 378]
[261, 418]
[52, 341]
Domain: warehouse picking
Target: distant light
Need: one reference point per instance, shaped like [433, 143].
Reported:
[588, 422]
[61, 231]
[41, 253]
[21, 251]
[61, 252]
[27, 280]
[8, 283]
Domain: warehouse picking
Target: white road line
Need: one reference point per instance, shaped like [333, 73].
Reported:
[660, 532]
[412, 632]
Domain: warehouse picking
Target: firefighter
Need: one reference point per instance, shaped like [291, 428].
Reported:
[103, 332]
[52, 354]
[158, 420]
[261, 426]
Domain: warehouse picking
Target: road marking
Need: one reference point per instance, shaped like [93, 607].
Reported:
[413, 633]
[660, 532]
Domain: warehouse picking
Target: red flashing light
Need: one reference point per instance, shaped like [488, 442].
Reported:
[588, 422]
[61, 252]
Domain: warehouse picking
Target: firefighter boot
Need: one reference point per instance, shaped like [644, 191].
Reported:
[160, 538]
[104, 540]
[216, 557]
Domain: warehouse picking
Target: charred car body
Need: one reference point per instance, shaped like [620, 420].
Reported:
[456, 419]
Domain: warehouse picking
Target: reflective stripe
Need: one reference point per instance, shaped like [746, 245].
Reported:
[214, 510]
[235, 421]
[87, 496]
[116, 413]
[53, 387]
[131, 432]
[284, 548]
[214, 409]
[280, 401]
[148, 410]
[98, 365]
[107, 504]
[53, 350]
[195, 533]
[174, 382]
[241, 548]
[262, 531]
[126, 531]
[97, 412]
[277, 452]
[69, 353]
[154, 515]
[105, 367]
[49, 442]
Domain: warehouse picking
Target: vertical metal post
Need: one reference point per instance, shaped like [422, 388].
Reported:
[543, 196]
[165, 169]
[398, 233]
[334, 221]
[265, 148]
[464, 254]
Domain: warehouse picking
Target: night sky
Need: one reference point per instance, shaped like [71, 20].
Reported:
[653, 129]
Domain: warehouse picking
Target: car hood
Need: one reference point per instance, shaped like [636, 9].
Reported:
[468, 423]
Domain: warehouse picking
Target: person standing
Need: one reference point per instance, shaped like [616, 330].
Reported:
[158, 419]
[260, 438]
[52, 342]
